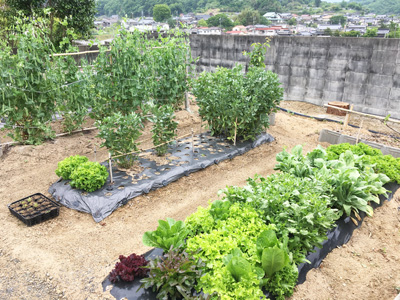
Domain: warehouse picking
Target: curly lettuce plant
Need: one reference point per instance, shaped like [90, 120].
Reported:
[128, 268]
[89, 176]
[68, 165]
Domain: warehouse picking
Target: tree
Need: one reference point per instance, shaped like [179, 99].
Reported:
[339, 19]
[317, 3]
[161, 12]
[371, 32]
[249, 17]
[202, 23]
[171, 23]
[292, 21]
[79, 14]
[220, 20]
[328, 31]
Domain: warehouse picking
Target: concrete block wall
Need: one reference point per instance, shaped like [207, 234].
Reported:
[362, 71]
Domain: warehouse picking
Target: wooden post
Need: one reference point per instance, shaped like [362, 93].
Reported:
[347, 118]
[110, 168]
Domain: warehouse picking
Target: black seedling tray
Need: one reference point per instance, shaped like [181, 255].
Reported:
[34, 209]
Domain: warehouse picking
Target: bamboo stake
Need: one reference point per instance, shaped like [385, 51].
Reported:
[192, 141]
[347, 118]
[363, 114]
[359, 129]
[234, 142]
[110, 168]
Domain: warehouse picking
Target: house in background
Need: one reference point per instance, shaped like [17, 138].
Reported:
[273, 17]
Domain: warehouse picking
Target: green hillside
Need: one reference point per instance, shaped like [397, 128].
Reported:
[388, 7]
[138, 7]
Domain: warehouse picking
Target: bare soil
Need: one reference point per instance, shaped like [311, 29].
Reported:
[68, 257]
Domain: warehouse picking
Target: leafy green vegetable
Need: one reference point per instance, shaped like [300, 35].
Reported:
[174, 274]
[219, 209]
[89, 176]
[223, 240]
[238, 267]
[386, 164]
[169, 234]
[296, 206]
[350, 179]
[274, 259]
[68, 165]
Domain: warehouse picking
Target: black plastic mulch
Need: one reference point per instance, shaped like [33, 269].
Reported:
[338, 236]
[181, 160]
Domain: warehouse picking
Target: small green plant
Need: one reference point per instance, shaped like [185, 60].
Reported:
[174, 275]
[257, 55]
[169, 234]
[120, 133]
[164, 127]
[68, 165]
[89, 176]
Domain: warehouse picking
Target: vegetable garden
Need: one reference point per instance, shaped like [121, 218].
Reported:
[249, 242]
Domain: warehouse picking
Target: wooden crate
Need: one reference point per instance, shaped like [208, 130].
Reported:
[337, 112]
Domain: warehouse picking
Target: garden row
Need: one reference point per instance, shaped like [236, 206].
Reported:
[253, 239]
[136, 80]
[36, 83]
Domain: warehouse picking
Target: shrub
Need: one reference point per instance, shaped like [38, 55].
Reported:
[120, 134]
[89, 176]
[68, 165]
[230, 100]
[128, 268]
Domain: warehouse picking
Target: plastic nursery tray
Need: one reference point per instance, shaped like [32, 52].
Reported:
[34, 209]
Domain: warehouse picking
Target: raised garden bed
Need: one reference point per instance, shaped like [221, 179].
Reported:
[34, 209]
[337, 237]
[183, 158]
[333, 137]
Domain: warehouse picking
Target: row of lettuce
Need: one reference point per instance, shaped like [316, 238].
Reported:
[253, 239]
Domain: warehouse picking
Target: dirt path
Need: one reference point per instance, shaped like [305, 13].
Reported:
[68, 257]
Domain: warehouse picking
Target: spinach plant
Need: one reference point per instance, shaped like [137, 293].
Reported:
[296, 206]
[169, 233]
[350, 180]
